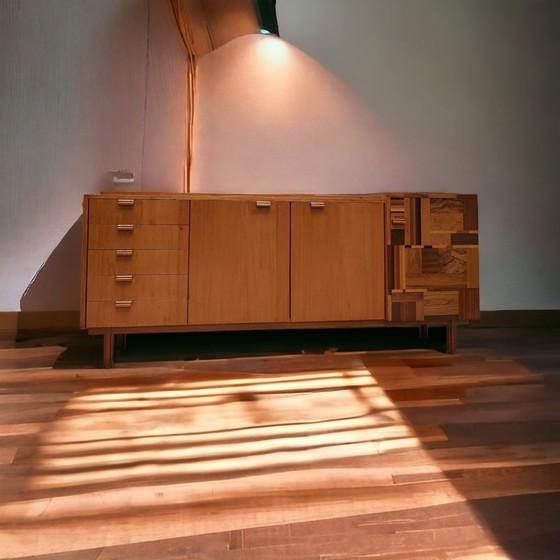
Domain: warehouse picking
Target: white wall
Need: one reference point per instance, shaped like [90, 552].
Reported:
[269, 118]
[87, 86]
[452, 95]
[471, 89]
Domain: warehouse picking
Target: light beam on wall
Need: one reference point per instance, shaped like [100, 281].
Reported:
[206, 25]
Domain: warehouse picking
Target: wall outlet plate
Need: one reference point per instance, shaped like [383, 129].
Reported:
[123, 176]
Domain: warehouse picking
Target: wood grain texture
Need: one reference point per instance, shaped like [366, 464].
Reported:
[335, 259]
[438, 255]
[337, 262]
[464, 238]
[443, 261]
[84, 262]
[425, 220]
[446, 214]
[470, 212]
[470, 304]
[142, 236]
[239, 264]
[472, 267]
[436, 280]
[152, 211]
[140, 313]
[139, 287]
[157, 261]
[412, 215]
[404, 311]
[414, 261]
[265, 458]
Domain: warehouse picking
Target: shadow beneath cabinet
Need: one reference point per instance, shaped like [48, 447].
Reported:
[87, 351]
[239, 344]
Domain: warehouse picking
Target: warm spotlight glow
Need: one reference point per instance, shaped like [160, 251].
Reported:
[272, 49]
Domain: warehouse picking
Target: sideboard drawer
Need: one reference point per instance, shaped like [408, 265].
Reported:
[114, 261]
[132, 236]
[138, 211]
[136, 287]
[135, 313]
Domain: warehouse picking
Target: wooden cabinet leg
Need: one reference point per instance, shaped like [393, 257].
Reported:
[108, 348]
[120, 342]
[423, 332]
[451, 337]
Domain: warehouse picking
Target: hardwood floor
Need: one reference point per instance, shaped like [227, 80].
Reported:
[281, 446]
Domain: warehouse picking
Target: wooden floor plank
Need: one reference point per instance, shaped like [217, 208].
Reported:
[407, 454]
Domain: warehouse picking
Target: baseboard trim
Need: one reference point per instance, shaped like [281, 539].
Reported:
[33, 320]
[519, 318]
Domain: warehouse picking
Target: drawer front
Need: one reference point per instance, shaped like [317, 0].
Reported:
[141, 313]
[111, 262]
[136, 287]
[138, 211]
[132, 236]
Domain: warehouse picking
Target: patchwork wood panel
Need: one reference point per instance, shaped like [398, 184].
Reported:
[414, 262]
[433, 257]
[436, 281]
[470, 304]
[425, 222]
[472, 267]
[412, 225]
[404, 312]
[440, 303]
[407, 306]
[446, 215]
[397, 236]
[464, 239]
[443, 261]
[439, 239]
[470, 212]
[397, 220]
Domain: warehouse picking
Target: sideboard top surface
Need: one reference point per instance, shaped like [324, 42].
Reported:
[296, 197]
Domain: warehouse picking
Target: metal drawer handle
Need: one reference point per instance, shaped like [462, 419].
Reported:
[317, 204]
[125, 202]
[124, 252]
[123, 277]
[123, 303]
[264, 203]
[125, 227]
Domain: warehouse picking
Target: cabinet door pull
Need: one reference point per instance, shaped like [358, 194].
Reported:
[123, 277]
[317, 204]
[125, 227]
[264, 203]
[123, 303]
[125, 202]
[124, 252]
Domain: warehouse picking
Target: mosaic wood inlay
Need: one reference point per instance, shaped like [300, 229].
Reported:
[433, 258]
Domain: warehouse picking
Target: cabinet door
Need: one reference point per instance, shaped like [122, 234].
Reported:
[239, 262]
[337, 261]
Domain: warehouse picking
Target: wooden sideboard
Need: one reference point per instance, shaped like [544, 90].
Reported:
[162, 262]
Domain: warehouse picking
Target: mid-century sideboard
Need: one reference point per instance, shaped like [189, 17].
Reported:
[163, 262]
